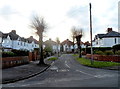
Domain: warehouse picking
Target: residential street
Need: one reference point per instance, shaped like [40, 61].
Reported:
[67, 72]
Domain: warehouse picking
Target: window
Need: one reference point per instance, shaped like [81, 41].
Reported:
[115, 40]
[21, 43]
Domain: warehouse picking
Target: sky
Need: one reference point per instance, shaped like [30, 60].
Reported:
[60, 16]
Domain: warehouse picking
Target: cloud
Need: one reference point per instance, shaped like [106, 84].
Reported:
[60, 15]
[6, 12]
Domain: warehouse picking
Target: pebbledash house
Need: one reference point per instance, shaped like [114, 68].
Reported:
[12, 40]
[109, 39]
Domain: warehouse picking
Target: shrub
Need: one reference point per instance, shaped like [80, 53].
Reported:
[88, 50]
[52, 59]
[116, 47]
[8, 54]
[48, 51]
[108, 52]
[21, 52]
[99, 52]
[117, 52]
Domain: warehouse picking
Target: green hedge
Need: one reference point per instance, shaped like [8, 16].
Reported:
[8, 54]
[21, 52]
[116, 48]
[88, 50]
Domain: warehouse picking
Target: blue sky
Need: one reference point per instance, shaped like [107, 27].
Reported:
[60, 15]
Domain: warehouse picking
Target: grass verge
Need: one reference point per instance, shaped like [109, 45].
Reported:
[96, 64]
[52, 59]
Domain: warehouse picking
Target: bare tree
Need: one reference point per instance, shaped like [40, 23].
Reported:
[73, 35]
[58, 43]
[39, 25]
[79, 34]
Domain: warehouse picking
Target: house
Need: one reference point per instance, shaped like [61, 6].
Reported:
[106, 40]
[13, 41]
[0, 41]
[53, 44]
[32, 43]
[67, 45]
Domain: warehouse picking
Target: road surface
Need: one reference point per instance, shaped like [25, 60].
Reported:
[67, 72]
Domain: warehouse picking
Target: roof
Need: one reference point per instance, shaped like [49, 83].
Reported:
[1, 34]
[87, 43]
[112, 34]
[109, 34]
[67, 41]
[51, 42]
[13, 35]
[31, 39]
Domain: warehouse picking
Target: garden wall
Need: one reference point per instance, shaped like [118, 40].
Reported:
[114, 58]
[14, 61]
[19, 60]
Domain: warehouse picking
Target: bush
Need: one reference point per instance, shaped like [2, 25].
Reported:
[48, 51]
[88, 50]
[52, 59]
[99, 52]
[116, 47]
[21, 52]
[8, 54]
[108, 52]
[117, 52]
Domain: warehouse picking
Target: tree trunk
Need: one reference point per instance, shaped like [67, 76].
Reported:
[73, 45]
[80, 55]
[41, 60]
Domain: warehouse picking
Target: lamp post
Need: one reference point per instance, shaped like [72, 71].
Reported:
[91, 34]
[78, 38]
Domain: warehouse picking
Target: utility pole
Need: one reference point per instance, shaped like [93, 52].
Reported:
[91, 34]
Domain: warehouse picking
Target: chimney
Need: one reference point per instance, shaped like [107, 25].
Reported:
[14, 31]
[31, 37]
[109, 30]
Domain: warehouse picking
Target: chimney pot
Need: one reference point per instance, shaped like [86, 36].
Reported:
[109, 29]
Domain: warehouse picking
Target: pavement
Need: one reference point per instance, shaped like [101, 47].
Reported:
[26, 71]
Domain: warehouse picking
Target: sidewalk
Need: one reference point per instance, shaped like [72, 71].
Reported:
[23, 72]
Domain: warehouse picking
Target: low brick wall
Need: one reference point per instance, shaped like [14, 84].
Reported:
[14, 61]
[114, 58]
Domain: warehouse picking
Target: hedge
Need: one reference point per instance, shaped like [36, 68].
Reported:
[88, 50]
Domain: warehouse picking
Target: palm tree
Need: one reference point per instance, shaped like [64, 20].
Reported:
[39, 25]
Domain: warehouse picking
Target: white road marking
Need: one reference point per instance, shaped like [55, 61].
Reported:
[31, 84]
[67, 64]
[96, 76]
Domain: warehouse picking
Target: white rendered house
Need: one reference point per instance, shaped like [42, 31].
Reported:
[13, 41]
[109, 39]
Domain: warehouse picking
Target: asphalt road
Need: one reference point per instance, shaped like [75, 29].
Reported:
[66, 72]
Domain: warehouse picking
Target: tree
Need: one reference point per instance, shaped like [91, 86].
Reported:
[79, 34]
[73, 35]
[58, 43]
[39, 25]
